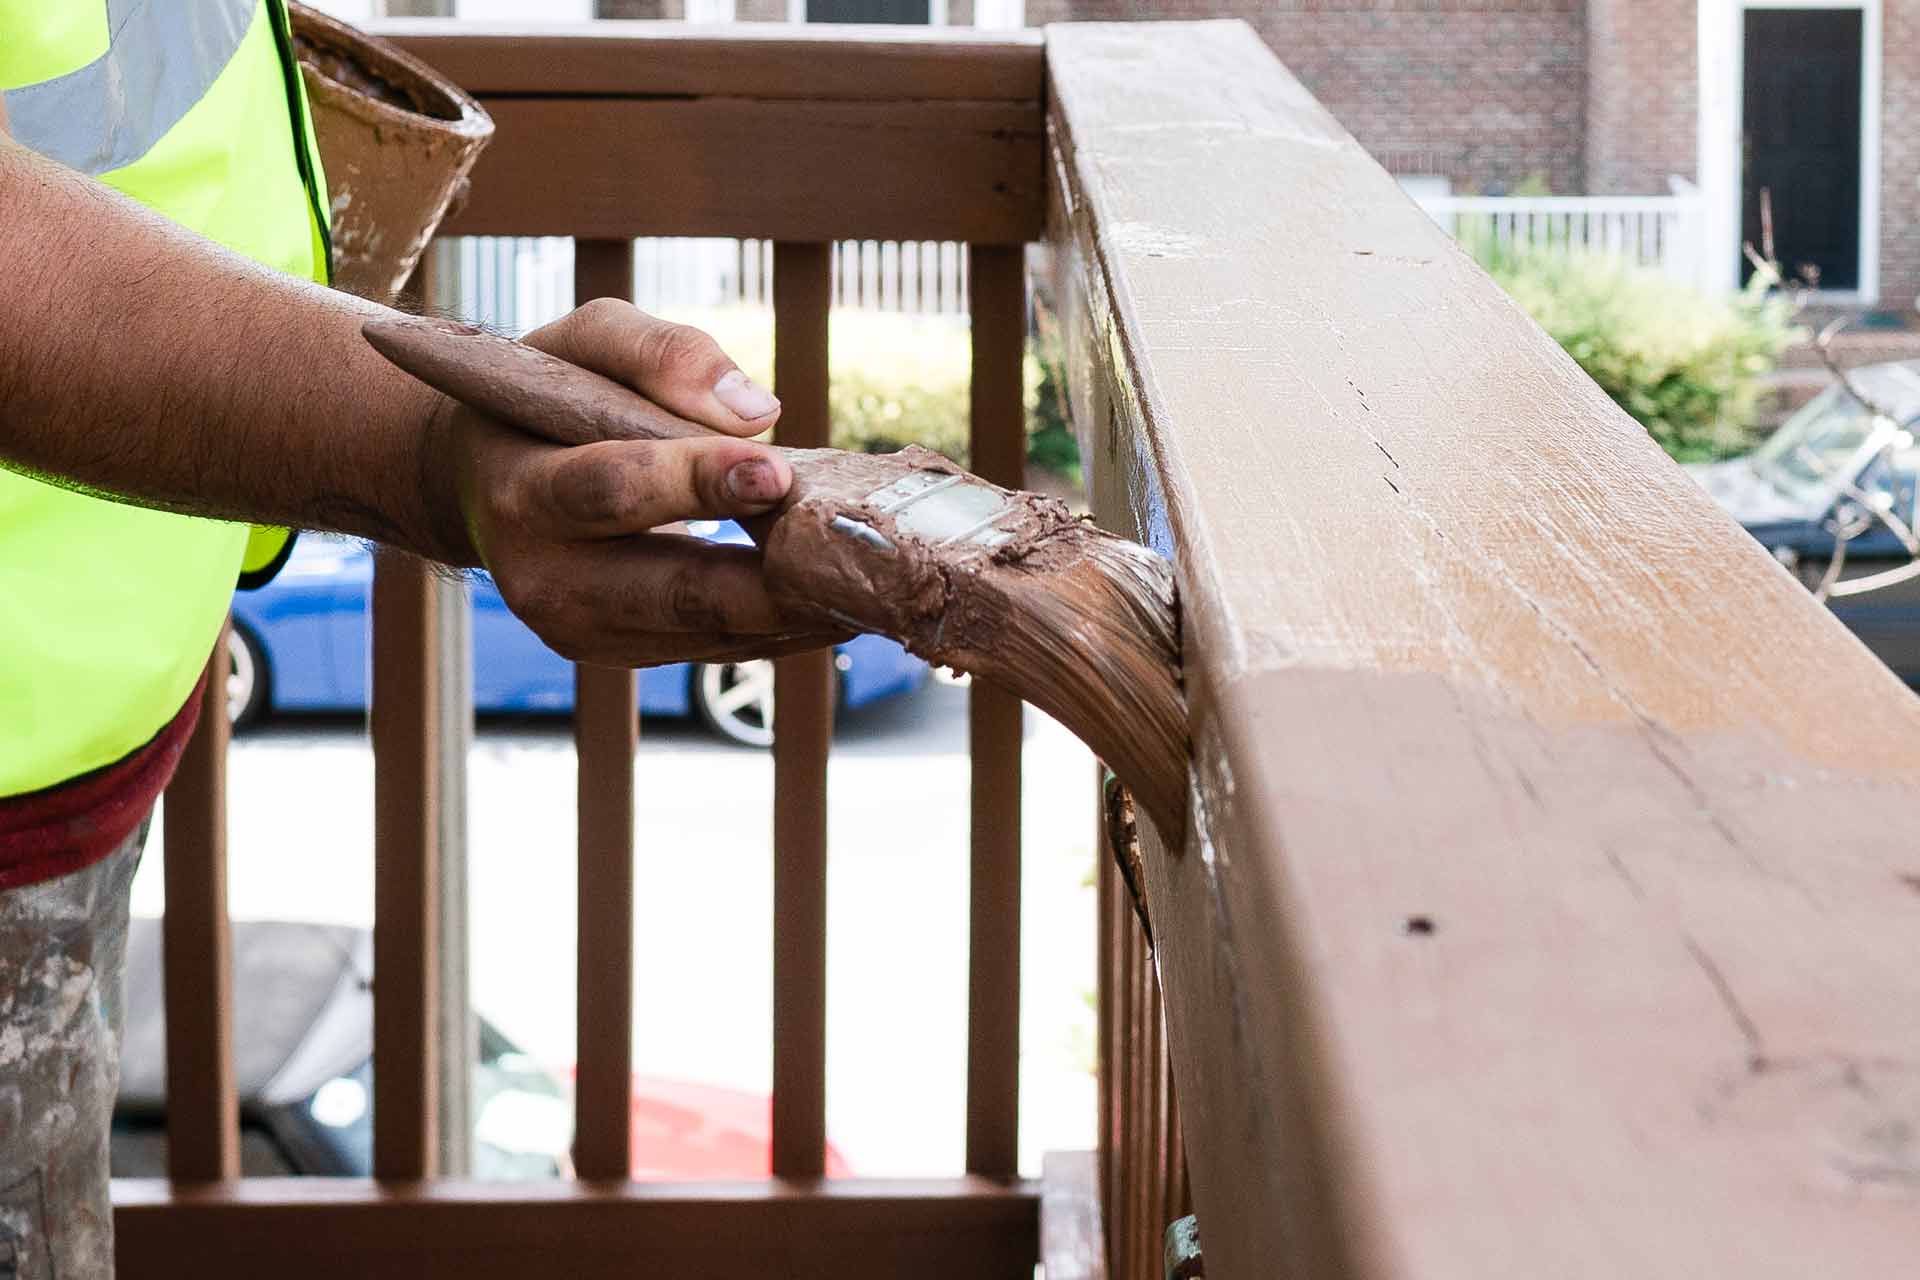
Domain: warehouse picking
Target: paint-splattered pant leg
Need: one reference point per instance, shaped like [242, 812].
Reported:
[63, 947]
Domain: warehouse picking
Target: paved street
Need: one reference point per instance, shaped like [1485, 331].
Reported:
[301, 817]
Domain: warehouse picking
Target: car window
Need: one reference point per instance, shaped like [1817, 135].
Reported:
[1822, 445]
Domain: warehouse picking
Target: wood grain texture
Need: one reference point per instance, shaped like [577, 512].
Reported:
[406, 916]
[803, 735]
[606, 729]
[203, 1116]
[319, 1229]
[606, 168]
[744, 60]
[997, 282]
[1549, 907]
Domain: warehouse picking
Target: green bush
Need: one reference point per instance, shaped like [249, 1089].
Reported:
[897, 380]
[1051, 445]
[1686, 366]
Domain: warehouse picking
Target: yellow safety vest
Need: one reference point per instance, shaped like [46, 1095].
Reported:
[107, 611]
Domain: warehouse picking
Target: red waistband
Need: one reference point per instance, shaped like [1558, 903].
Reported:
[52, 833]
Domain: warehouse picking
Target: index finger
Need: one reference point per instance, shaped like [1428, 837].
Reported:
[678, 367]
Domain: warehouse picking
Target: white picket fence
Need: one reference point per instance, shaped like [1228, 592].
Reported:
[1666, 233]
[519, 283]
[919, 277]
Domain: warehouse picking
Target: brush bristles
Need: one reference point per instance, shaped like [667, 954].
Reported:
[1094, 642]
[1077, 621]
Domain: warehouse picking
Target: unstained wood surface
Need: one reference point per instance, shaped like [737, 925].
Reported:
[1552, 900]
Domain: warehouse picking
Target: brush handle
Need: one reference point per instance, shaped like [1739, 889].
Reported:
[907, 545]
[522, 385]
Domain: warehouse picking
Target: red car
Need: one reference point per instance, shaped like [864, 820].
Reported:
[303, 1049]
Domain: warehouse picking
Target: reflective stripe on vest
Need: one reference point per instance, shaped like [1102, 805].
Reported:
[193, 108]
[160, 60]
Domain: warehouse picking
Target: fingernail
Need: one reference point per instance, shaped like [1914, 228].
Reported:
[753, 482]
[744, 396]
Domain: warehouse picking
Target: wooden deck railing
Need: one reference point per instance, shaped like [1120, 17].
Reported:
[606, 136]
[1549, 896]
[1550, 905]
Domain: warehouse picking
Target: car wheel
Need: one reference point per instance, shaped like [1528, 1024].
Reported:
[736, 700]
[247, 678]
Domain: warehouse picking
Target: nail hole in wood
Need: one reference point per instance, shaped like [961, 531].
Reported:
[1419, 927]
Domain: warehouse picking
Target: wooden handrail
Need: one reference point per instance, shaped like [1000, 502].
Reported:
[322, 1228]
[781, 137]
[1549, 903]
[792, 63]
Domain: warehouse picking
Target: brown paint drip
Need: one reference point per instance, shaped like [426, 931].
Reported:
[397, 140]
[1077, 621]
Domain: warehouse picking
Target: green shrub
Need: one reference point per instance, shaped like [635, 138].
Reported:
[1051, 445]
[897, 380]
[1686, 366]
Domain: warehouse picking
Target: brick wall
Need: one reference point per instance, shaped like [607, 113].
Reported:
[1642, 94]
[1485, 92]
[1900, 155]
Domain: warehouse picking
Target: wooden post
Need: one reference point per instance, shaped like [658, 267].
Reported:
[605, 734]
[803, 733]
[405, 716]
[203, 1117]
[998, 304]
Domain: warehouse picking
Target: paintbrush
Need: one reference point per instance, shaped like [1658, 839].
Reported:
[1004, 584]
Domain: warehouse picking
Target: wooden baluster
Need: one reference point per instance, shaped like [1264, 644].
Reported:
[203, 1118]
[1112, 1059]
[998, 304]
[803, 696]
[406, 915]
[605, 735]
[1140, 1066]
[1142, 1159]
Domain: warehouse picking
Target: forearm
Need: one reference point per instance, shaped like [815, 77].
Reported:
[142, 361]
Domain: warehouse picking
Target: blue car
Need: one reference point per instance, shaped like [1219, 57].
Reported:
[301, 643]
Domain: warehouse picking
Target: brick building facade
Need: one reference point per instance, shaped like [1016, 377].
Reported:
[1485, 93]
[1602, 97]
[1641, 94]
[1614, 97]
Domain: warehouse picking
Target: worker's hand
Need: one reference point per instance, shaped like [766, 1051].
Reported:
[567, 532]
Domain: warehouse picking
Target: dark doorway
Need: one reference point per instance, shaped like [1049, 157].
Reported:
[1801, 138]
[911, 11]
